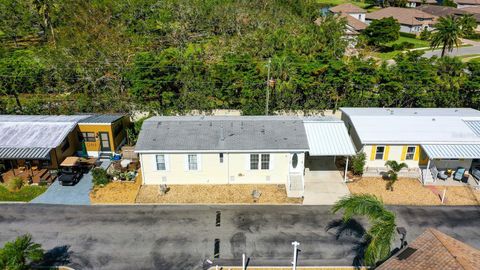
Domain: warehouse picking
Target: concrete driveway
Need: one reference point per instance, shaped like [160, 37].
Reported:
[323, 183]
[183, 237]
[74, 195]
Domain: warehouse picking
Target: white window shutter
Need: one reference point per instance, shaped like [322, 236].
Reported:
[167, 162]
[185, 162]
[199, 162]
[155, 168]
[270, 165]
[247, 162]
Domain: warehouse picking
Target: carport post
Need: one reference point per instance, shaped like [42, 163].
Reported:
[346, 170]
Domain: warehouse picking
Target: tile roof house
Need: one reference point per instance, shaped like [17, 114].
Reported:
[442, 11]
[467, 3]
[417, 3]
[411, 20]
[428, 140]
[237, 149]
[354, 15]
[434, 250]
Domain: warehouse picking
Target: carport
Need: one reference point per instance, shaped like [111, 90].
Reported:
[327, 140]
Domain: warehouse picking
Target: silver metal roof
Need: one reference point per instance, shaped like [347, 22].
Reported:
[24, 153]
[101, 119]
[474, 126]
[453, 151]
[41, 118]
[328, 138]
[413, 125]
[224, 133]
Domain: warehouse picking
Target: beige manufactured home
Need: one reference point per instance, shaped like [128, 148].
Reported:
[237, 149]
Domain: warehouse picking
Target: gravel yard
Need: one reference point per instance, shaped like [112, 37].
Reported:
[211, 194]
[116, 192]
[409, 191]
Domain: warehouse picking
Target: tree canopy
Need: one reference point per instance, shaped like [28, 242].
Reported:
[173, 56]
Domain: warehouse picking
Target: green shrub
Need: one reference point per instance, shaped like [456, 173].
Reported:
[403, 46]
[15, 184]
[425, 34]
[100, 176]
[410, 35]
[358, 163]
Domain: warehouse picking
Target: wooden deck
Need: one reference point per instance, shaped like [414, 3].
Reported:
[34, 174]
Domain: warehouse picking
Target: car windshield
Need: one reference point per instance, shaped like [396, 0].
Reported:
[68, 170]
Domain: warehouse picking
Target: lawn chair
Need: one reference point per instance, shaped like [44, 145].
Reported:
[459, 173]
[442, 175]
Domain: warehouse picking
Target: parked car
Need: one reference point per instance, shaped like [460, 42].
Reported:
[70, 171]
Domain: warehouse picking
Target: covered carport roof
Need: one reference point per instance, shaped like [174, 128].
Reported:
[24, 153]
[452, 151]
[328, 138]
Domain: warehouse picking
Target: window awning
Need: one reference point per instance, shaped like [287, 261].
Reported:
[452, 151]
[24, 153]
[328, 138]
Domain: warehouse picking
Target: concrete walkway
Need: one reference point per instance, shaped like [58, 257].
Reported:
[323, 183]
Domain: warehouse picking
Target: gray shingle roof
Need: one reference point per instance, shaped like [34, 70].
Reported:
[234, 133]
[101, 118]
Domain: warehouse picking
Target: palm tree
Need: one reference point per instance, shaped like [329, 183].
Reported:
[447, 34]
[45, 9]
[19, 254]
[392, 173]
[468, 24]
[382, 231]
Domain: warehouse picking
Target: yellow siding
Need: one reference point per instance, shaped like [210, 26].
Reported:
[404, 152]
[417, 153]
[95, 146]
[372, 154]
[387, 151]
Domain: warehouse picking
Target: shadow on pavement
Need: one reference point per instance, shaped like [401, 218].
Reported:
[57, 256]
[355, 229]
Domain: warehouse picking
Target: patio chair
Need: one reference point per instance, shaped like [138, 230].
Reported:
[459, 173]
[442, 175]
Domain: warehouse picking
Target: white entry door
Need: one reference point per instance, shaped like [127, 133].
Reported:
[297, 161]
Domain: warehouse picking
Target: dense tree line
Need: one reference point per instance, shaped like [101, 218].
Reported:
[177, 55]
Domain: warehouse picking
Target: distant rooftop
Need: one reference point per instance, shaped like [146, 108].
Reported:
[42, 118]
[347, 8]
[405, 16]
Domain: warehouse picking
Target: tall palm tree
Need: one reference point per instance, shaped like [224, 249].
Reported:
[468, 24]
[382, 231]
[394, 169]
[447, 34]
[20, 253]
[45, 9]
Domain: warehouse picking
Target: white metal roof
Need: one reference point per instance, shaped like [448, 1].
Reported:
[328, 138]
[414, 126]
[474, 125]
[454, 151]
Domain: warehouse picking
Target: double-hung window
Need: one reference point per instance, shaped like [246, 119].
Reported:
[161, 162]
[259, 161]
[192, 162]
[379, 152]
[88, 136]
[410, 152]
[265, 162]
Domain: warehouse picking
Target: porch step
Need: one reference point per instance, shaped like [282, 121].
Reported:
[104, 156]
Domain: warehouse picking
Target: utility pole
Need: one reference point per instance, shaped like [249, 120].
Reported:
[268, 86]
[295, 248]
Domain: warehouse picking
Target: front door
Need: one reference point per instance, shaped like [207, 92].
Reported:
[296, 163]
[105, 142]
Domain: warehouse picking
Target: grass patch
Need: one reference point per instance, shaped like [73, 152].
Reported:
[418, 42]
[25, 194]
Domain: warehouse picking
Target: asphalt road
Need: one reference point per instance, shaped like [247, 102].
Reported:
[455, 52]
[182, 237]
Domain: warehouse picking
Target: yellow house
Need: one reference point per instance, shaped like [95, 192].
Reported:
[103, 134]
[430, 141]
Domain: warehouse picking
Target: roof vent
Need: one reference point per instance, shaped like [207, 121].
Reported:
[159, 124]
[406, 253]
[433, 119]
[222, 135]
[415, 112]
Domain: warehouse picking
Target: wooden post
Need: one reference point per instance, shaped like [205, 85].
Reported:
[443, 195]
[244, 266]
